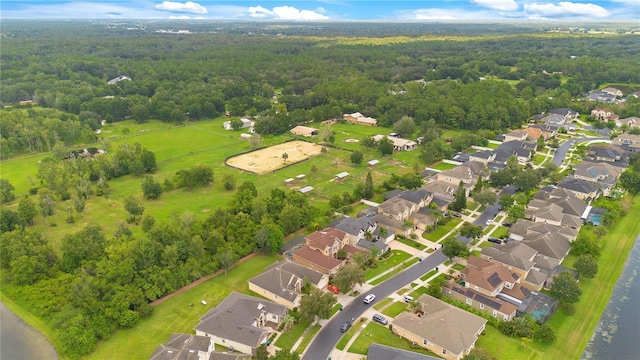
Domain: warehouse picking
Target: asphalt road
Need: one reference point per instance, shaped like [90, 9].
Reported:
[561, 152]
[329, 335]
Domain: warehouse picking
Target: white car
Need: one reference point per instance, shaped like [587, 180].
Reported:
[489, 222]
[369, 299]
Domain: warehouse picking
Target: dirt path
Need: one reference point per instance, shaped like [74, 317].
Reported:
[199, 281]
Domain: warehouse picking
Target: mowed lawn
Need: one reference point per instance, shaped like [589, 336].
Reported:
[573, 332]
[202, 142]
[176, 315]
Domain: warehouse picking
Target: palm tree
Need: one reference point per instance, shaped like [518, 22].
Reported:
[287, 322]
[374, 252]
[415, 305]
[382, 232]
[437, 215]
[359, 259]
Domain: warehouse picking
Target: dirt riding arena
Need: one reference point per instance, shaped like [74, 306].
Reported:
[270, 159]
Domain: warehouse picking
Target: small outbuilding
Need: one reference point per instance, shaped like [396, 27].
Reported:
[343, 175]
[306, 189]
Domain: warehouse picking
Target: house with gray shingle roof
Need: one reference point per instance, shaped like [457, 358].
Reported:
[630, 122]
[444, 329]
[550, 214]
[184, 347]
[515, 255]
[397, 208]
[493, 306]
[582, 189]
[356, 228]
[383, 352]
[552, 245]
[283, 282]
[241, 322]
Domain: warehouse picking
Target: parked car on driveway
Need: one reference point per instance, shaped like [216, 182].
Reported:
[494, 240]
[369, 299]
[458, 215]
[489, 222]
[380, 319]
[333, 289]
[345, 327]
[507, 224]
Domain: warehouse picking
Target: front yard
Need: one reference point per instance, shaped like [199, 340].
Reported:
[397, 257]
[374, 333]
[442, 230]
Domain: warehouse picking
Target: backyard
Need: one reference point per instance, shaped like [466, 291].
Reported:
[442, 230]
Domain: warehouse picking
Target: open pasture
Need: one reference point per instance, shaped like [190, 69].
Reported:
[270, 159]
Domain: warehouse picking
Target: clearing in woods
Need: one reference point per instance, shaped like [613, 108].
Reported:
[270, 159]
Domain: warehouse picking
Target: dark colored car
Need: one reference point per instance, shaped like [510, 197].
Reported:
[507, 224]
[458, 215]
[345, 326]
[494, 240]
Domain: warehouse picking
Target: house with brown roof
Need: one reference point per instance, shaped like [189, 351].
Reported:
[241, 322]
[534, 134]
[283, 282]
[316, 260]
[392, 225]
[184, 347]
[487, 277]
[496, 307]
[444, 329]
[305, 131]
[328, 241]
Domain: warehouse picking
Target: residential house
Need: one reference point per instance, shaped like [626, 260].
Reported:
[601, 114]
[487, 277]
[627, 142]
[184, 347]
[534, 134]
[283, 282]
[456, 175]
[359, 119]
[328, 241]
[316, 260]
[608, 153]
[601, 96]
[551, 245]
[392, 225]
[241, 322]
[383, 352]
[630, 122]
[423, 218]
[498, 308]
[444, 329]
[482, 157]
[356, 228]
[549, 130]
[515, 148]
[540, 306]
[399, 144]
[305, 131]
[246, 123]
[582, 189]
[515, 255]
[517, 135]
[613, 91]
[419, 197]
[397, 208]
[596, 171]
[554, 119]
[567, 113]
[118, 79]
[442, 192]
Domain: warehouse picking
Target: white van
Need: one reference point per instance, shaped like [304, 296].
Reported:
[408, 298]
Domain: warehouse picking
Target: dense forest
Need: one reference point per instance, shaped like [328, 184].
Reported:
[483, 78]
[177, 77]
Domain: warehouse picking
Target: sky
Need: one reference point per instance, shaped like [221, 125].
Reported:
[326, 10]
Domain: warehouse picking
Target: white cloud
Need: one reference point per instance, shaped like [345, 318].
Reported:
[565, 9]
[285, 13]
[178, 7]
[503, 5]
[444, 14]
[180, 17]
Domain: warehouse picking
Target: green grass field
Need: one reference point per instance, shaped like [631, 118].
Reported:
[394, 309]
[176, 316]
[348, 335]
[442, 230]
[396, 258]
[288, 339]
[443, 166]
[307, 338]
[428, 275]
[382, 303]
[393, 272]
[374, 333]
[412, 243]
[202, 142]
